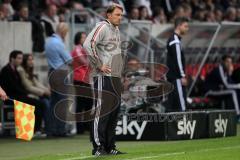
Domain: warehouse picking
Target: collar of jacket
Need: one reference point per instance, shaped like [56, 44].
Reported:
[111, 24]
[57, 36]
[179, 37]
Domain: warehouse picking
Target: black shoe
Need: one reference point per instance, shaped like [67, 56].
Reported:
[115, 152]
[99, 152]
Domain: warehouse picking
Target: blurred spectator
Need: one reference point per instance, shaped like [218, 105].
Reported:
[129, 5]
[22, 14]
[231, 14]
[77, 6]
[61, 14]
[209, 5]
[219, 82]
[187, 10]
[35, 7]
[3, 13]
[218, 15]
[82, 15]
[143, 13]
[238, 14]
[57, 57]
[81, 78]
[56, 2]
[11, 82]
[179, 12]
[88, 3]
[210, 17]
[229, 3]
[195, 4]
[16, 4]
[159, 16]
[192, 9]
[134, 13]
[50, 20]
[200, 15]
[169, 6]
[9, 7]
[145, 3]
[38, 35]
[218, 5]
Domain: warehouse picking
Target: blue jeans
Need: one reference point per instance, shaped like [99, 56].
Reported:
[56, 126]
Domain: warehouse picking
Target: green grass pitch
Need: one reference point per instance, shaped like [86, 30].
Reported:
[79, 148]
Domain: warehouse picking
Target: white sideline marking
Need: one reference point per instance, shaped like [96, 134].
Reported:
[157, 156]
[160, 155]
[78, 158]
[179, 153]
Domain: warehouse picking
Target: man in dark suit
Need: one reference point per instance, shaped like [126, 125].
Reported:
[10, 79]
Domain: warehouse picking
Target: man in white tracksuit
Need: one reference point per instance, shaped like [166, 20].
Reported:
[103, 47]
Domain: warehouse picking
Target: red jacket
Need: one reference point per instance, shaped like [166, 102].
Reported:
[80, 64]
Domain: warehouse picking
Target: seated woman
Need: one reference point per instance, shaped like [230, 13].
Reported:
[34, 87]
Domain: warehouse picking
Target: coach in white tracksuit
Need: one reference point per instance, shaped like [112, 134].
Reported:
[103, 47]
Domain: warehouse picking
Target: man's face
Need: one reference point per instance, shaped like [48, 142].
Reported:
[228, 63]
[30, 61]
[83, 38]
[135, 13]
[18, 60]
[4, 9]
[24, 12]
[183, 28]
[115, 17]
[52, 11]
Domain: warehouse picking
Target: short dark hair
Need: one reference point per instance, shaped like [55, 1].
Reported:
[14, 54]
[180, 20]
[77, 37]
[133, 59]
[112, 7]
[22, 5]
[226, 56]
